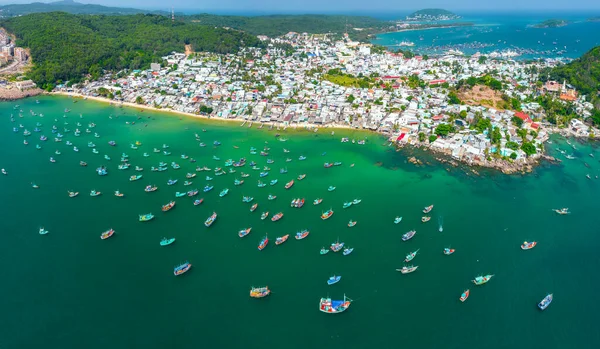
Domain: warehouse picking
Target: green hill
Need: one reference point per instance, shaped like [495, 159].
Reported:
[66, 47]
[68, 6]
[432, 14]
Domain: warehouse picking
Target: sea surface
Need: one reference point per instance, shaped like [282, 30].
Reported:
[504, 32]
[70, 289]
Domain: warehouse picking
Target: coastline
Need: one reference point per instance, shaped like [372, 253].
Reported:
[428, 28]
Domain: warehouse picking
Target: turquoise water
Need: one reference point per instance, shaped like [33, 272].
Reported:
[70, 289]
[505, 32]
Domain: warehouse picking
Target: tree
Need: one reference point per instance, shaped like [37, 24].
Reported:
[453, 98]
[517, 121]
[421, 137]
[482, 59]
[444, 130]
[512, 145]
[496, 136]
[462, 114]
[350, 99]
[528, 148]
[432, 138]
[513, 155]
[139, 100]
[522, 133]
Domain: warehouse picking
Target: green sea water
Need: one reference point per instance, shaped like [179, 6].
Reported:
[70, 289]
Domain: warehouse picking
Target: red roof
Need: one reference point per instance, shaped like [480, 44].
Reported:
[435, 82]
[437, 117]
[534, 125]
[523, 116]
[400, 137]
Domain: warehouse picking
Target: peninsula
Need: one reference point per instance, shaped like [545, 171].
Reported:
[432, 14]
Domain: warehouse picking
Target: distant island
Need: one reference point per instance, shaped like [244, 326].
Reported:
[594, 19]
[432, 14]
[69, 6]
[552, 23]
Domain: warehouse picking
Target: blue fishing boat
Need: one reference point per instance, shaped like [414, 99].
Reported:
[171, 181]
[347, 251]
[397, 220]
[408, 235]
[182, 268]
[208, 188]
[273, 182]
[545, 302]
[165, 241]
[261, 184]
[223, 192]
[272, 197]
[347, 204]
[146, 217]
[264, 174]
[329, 306]
[178, 194]
[238, 182]
[331, 188]
[334, 280]
[283, 170]
[247, 199]
[101, 171]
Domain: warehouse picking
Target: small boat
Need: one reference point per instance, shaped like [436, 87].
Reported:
[334, 280]
[209, 178]
[280, 240]
[545, 302]
[119, 194]
[150, 188]
[324, 250]
[186, 183]
[331, 188]
[297, 203]
[397, 220]
[347, 251]
[253, 207]
[168, 206]
[337, 246]
[182, 268]
[35, 186]
[325, 215]
[210, 220]
[329, 306]
[408, 235]
[317, 201]
[337, 163]
[302, 158]
[247, 198]
[562, 211]
[52, 159]
[208, 188]
[302, 234]
[272, 197]
[351, 223]
[273, 182]
[178, 194]
[190, 175]
[43, 231]
[263, 243]
[224, 192]
[283, 170]
[112, 143]
[171, 181]
[411, 256]
[244, 232]
[425, 219]
[301, 177]
[407, 270]
[95, 193]
[107, 234]
[261, 184]
[135, 177]
[146, 217]
[448, 251]
[428, 209]
[198, 201]
[73, 194]
[259, 292]
[347, 204]
[289, 184]
[327, 165]
[238, 182]
[528, 245]
[480, 280]
[277, 217]
[123, 166]
[356, 201]
[464, 295]
[264, 215]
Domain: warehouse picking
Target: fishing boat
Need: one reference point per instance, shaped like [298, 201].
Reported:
[208, 188]
[35, 186]
[302, 158]
[280, 240]
[480, 280]
[411, 256]
[73, 194]
[150, 188]
[464, 295]
[397, 220]
[407, 270]
[317, 201]
[186, 183]
[347, 251]
[135, 177]
[408, 235]
[272, 197]
[247, 198]
[329, 306]
[253, 207]
[52, 159]
[178, 194]
[119, 194]
[337, 246]
[245, 175]
[259, 292]
[561, 211]
[198, 201]
[528, 245]
[261, 184]
[428, 209]
[244, 232]
[171, 181]
[107, 234]
[264, 215]
[168, 206]
[146, 217]
[331, 188]
[95, 193]
[43, 231]
[327, 165]
[283, 170]
[192, 193]
[289, 184]
[263, 243]
[182, 268]
[324, 250]
[333, 280]
[425, 219]
[545, 302]
[224, 192]
[325, 215]
[273, 182]
[351, 223]
[112, 143]
[448, 251]
[277, 217]
[337, 163]
[123, 166]
[210, 220]
[347, 204]
[297, 203]
[238, 182]
[356, 201]
[302, 234]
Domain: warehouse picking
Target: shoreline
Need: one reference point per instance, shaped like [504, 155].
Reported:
[428, 28]
[306, 126]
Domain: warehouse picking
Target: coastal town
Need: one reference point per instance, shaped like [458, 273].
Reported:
[329, 83]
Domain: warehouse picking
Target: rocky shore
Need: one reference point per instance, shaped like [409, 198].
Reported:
[11, 94]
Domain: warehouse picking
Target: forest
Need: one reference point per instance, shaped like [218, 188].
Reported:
[583, 73]
[66, 47]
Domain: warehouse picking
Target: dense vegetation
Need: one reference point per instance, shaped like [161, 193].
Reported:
[66, 47]
[583, 73]
[69, 7]
[552, 23]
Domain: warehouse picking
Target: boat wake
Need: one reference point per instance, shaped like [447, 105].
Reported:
[441, 223]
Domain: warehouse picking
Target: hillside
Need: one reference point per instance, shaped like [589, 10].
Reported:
[432, 14]
[68, 6]
[65, 46]
[583, 73]
[552, 23]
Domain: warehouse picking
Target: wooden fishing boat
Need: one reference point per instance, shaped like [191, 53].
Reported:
[280, 240]
[326, 305]
[253, 207]
[408, 235]
[244, 232]
[107, 234]
[480, 280]
[182, 268]
[448, 251]
[428, 209]
[168, 206]
[407, 270]
[165, 241]
[277, 217]
[210, 220]
[545, 302]
[464, 295]
[259, 292]
[327, 214]
[289, 184]
[411, 256]
[528, 245]
[263, 243]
